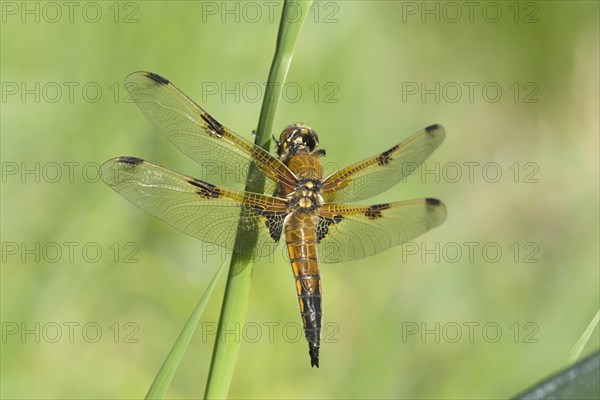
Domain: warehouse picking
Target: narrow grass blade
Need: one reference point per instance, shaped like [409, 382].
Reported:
[237, 291]
[585, 337]
[167, 371]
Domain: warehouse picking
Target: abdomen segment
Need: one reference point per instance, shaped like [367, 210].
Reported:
[302, 247]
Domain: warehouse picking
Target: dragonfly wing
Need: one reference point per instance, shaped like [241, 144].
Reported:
[210, 213]
[225, 156]
[377, 174]
[347, 233]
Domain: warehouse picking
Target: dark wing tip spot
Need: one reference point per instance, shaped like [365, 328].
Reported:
[438, 209]
[157, 78]
[131, 160]
[433, 128]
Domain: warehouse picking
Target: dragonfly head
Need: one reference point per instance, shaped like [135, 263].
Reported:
[297, 138]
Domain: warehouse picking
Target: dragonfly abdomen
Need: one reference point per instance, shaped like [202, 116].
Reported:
[302, 248]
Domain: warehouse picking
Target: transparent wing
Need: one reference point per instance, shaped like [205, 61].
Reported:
[377, 174]
[353, 232]
[224, 156]
[199, 209]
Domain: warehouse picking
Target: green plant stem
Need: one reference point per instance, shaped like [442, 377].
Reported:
[237, 291]
[583, 340]
[162, 380]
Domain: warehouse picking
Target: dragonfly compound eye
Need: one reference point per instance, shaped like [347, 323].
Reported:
[298, 137]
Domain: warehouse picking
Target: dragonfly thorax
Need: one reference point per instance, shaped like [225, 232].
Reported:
[307, 197]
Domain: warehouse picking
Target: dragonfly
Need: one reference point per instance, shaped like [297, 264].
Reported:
[285, 195]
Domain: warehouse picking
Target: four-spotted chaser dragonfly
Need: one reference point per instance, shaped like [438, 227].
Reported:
[308, 209]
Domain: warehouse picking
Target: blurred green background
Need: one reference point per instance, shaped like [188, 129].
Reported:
[425, 320]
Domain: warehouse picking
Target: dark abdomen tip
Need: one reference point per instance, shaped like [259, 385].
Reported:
[313, 350]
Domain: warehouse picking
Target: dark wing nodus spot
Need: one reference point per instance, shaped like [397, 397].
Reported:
[374, 211]
[216, 127]
[131, 160]
[157, 78]
[432, 202]
[205, 190]
[385, 157]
